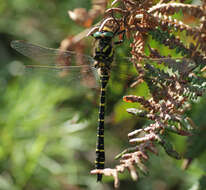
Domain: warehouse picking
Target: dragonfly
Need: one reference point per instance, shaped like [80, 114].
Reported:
[98, 67]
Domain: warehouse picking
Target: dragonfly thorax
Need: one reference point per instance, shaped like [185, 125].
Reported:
[103, 51]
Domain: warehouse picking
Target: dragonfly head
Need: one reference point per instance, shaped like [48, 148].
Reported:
[105, 33]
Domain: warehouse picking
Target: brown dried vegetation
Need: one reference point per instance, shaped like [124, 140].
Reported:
[170, 93]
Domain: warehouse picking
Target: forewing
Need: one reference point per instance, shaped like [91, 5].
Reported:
[49, 56]
[64, 64]
[181, 65]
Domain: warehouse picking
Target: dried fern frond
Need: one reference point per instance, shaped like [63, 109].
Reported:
[171, 8]
[172, 87]
[172, 82]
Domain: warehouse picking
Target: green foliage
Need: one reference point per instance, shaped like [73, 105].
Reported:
[48, 130]
[31, 130]
[196, 143]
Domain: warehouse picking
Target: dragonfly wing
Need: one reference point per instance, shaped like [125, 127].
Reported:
[64, 64]
[123, 68]
[124, 72]
[181, 65]
[71, 75]
[49, 56]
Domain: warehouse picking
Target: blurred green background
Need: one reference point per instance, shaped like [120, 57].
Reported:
[48, 129]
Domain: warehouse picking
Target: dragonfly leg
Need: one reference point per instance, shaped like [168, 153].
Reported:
[122, 40]
[118, 31]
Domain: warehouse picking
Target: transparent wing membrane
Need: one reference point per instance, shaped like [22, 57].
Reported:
[181, 65]
[49, 56]
[58, 64]
[70, 66]
[71, 75]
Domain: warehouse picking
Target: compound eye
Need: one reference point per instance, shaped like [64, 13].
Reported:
[97, 34]
[108, 34]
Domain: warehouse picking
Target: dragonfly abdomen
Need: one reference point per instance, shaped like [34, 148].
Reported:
[100, 154]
